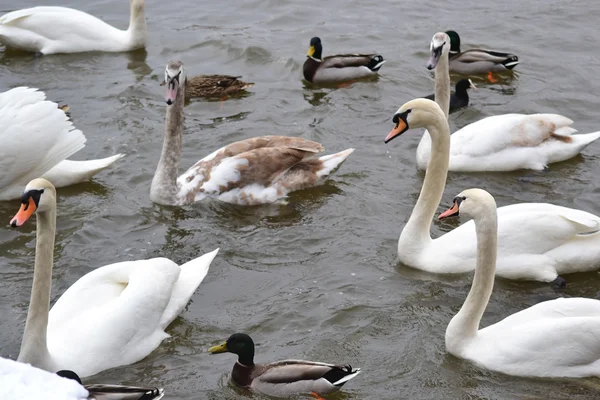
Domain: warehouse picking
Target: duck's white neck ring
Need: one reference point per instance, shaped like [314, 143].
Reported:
[242, 365]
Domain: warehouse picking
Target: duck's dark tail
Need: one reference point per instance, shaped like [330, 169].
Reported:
[376, 63]
[340, 375]
[510, 62]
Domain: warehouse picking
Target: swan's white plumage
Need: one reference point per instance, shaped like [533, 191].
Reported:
[510, 142]
[557, 338]
[36, 138]
[116, 314]
[22, 381]
[535, 241]
[52, 30]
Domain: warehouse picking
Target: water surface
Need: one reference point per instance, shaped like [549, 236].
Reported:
[316, 278]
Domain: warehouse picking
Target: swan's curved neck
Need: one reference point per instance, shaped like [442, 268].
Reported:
[164, 184]
[442, 84]
[465, 324]
[137, 23]
[415, 235]
[34, 349]
[442, 98]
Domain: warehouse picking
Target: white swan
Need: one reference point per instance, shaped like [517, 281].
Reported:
[115, 315]
[23, 381]
[51, 30]
[258, 170]
[505, 142]
[557, 338]
[536, 241]
[36, 138]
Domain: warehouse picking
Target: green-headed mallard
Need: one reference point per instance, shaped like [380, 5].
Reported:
[23, 381]
[282, 378]
[338, 68]
[115, 392]
[460, 98]
[218, 86]
[478, 61]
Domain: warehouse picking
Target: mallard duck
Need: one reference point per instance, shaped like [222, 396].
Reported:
[23, 381]
[282, 378]
[338, 68]
[115, 392]
[213, 86]
[478, 61]
[460, 98]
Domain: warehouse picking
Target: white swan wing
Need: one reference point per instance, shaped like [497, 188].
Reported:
[36, 135]
[40, 28]
[530, 228]
[497, 133]
[111, 316]
[22, 381]
[252, 163]
[535, 241]
[192, 274]
[554, 338]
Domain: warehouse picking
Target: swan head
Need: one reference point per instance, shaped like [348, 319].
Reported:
[439, 47]
[39, 196]
[414, 114]
[315, 49]
[454, 42]
[472, 203]
[174, 79]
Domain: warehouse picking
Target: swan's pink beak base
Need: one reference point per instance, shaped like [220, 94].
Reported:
[170, 93]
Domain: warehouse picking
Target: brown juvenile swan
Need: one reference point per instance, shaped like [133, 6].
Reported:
[258, 170]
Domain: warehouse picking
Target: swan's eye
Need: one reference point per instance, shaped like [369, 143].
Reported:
[459, 199]
[33, 194]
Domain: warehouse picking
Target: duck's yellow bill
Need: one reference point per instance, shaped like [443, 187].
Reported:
[221, 348]
[311, 51]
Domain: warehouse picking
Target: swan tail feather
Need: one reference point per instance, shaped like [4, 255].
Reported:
[191, 276]
[38, 133]
[69, 172]
[586, 138]
[332, 162]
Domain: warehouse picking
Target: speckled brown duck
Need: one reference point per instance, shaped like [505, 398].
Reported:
[282, 378]
[253, 171]
[214, 86]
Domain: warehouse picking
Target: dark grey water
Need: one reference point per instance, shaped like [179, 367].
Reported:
[317, 278]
